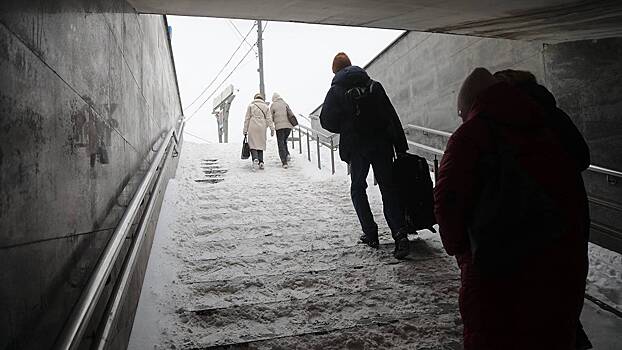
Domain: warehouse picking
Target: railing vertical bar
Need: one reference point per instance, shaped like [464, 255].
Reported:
[332, 155]
[319, 163]
[299, 140]
[308, 146]
[435, 170]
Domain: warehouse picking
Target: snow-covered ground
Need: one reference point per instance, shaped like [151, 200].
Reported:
[270, 260]
[604, 280]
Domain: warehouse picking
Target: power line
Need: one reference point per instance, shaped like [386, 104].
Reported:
[198, 137]
[242, 36]
[221, 83]
[222, 69]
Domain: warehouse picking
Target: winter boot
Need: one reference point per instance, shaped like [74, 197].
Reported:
[285, 166]
[371, 240]
[402, 245]
[261, 166]
[255, 165]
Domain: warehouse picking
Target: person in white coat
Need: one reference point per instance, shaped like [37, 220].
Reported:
[279, 111]
[258, 120]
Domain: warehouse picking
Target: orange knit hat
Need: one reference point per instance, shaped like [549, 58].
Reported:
[340, 62]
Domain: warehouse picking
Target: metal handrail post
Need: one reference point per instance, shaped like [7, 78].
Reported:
[435, 169]
[308, 146]
[78, 321]
[332, 155]
[299, 141]
[319, 163]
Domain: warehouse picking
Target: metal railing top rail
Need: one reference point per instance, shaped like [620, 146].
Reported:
[73, 331]
[311, 133]
[428, 130]
[593, 168]
[121, 288]
[314, 131]
[432, 150]
[610, 172]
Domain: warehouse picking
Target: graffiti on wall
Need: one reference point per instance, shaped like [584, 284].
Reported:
[91, 132]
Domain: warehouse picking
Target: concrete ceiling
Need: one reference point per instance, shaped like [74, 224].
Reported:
[543, 20]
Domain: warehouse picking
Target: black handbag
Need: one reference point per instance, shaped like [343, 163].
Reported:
[513, 216]
[246, 149]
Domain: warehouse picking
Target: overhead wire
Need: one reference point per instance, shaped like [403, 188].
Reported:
[198, 137]
[221, 83]
[242, 36]
[222, 69]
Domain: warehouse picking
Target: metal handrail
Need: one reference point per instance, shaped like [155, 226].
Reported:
[121, 288]
[432, 150]
[428, 130]
[605, 171]
[73, 332]
[310, 132]
[314, 131]
[593, 168]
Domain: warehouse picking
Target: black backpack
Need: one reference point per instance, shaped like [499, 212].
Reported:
[412, 175]
[367, 106]
[513, 216]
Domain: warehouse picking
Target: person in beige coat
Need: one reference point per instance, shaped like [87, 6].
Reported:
[278, 111]
[258, 119]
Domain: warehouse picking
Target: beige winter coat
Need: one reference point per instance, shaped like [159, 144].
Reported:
[258, 119]
[278, 110]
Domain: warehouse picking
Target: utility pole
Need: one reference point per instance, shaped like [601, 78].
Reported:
[262, 89]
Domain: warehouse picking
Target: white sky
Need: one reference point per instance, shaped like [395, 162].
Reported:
[297, 64]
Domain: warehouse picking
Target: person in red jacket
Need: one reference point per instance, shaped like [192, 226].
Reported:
[536, 305]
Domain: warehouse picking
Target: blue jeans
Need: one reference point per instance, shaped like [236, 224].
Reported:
[381, 161]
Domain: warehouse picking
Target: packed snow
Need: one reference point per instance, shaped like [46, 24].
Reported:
[270, 260]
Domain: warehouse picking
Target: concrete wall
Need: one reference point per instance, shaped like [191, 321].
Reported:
[585, 77]
[422, 72]
[78, 80]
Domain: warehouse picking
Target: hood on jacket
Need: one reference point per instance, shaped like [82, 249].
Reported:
[351, 76]
[258, 100]
[507, 105]
[276, 97]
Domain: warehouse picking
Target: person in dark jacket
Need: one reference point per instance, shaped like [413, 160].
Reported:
[365, 146]
[537, 305]
[570, 137]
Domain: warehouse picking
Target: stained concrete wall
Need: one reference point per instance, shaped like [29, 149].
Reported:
[79, 81]
[585, 78]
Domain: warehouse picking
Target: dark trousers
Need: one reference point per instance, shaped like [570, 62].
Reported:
[382, 163]
[281, 139]
[257, 154]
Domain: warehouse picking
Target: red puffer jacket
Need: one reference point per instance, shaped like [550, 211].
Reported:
[537, 307]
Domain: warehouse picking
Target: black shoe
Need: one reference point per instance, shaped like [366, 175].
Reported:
[402, 245]
[370, 241]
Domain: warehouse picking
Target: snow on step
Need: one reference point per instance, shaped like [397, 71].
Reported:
[312, 261]
[304, 285]
[270, 259]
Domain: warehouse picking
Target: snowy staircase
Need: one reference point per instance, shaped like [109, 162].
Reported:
[270, 260]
